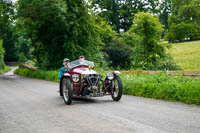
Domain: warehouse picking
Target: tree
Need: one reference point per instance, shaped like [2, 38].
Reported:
[101, 58]
[165, 10]
[176, 4]
[120, 13]
[23, 45]
[184, 22]
[182, 31]
[45, 24]
[7, 15]
[59, 29]
[147, 31]
[110, 11]
[83, 32]
[2, 52]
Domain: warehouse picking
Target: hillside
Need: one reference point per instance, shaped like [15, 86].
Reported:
[187, 55]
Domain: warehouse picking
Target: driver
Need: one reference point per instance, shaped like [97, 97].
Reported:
[63, 69]
[81, 59]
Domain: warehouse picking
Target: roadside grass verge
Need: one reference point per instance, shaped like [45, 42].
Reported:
[158, 86]
[40, 74]
[7, 68]
[162, 86]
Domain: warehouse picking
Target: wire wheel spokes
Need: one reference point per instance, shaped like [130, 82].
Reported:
[116, 88]
[65, 91]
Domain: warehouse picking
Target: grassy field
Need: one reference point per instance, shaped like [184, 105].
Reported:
[158, 86]
[187, 55]
[5, 70]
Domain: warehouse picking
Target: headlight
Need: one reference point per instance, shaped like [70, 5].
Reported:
[75, 77]
[90, 67]
[110, 76]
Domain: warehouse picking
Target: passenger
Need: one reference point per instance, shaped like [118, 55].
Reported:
[63, 69]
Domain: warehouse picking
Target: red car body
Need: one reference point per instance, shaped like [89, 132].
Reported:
[83, 81]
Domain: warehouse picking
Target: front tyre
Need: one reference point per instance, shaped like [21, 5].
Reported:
[67, 91]
[116, 92]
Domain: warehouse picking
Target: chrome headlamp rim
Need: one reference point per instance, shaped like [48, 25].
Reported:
[110, 76]
[75, 78]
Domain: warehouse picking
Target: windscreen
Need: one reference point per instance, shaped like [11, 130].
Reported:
[80, 62]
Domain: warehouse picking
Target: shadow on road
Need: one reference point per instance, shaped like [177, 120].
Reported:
[86, 101]
[9, 77]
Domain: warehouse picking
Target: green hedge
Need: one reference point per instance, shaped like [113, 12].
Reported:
[158, 86]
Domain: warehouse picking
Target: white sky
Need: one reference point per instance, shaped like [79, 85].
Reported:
[14, 0]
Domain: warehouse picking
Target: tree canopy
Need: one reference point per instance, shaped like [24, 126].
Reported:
[184, 22]
[120, 13]
[120, 34]
[7, 16]
[60, 29]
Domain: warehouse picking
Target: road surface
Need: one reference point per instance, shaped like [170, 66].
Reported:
[34, 106]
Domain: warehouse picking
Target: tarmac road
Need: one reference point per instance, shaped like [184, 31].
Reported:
[34, 106]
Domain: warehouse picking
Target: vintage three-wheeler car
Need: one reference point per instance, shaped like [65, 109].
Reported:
[81, 80]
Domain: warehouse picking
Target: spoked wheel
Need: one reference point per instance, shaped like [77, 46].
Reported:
[67, 91]
[117, 89]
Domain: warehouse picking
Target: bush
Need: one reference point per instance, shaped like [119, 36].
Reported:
[182, 31]
[165, 63]
[120, 54]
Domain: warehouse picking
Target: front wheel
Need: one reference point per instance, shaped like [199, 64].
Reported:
[67, 91]
[116, 92]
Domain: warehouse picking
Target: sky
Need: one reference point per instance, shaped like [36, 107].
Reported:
[14, 0]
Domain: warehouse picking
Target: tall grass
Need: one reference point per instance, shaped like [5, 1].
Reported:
[158, 86]
[162, 86]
